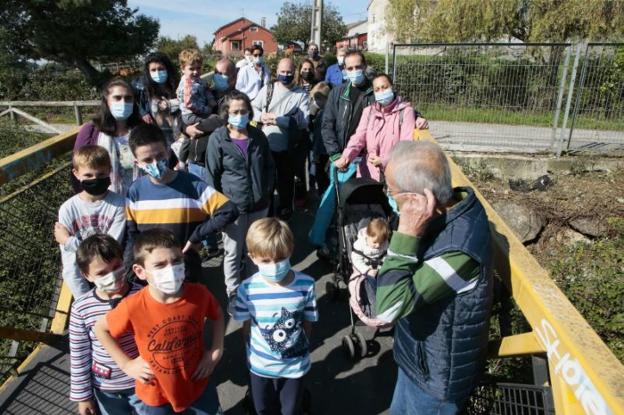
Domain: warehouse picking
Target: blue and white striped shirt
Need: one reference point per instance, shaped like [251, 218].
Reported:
[278, 346]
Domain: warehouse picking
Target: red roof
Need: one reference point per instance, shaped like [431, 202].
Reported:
[229, 24]
[242, 29]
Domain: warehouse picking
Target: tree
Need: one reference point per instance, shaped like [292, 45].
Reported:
[485, 20]
[76, 32]
[294, 22]
[173, 47]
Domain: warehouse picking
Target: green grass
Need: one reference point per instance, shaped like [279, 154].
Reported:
[441, 112]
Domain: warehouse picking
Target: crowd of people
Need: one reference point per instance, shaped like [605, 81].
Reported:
[176, 161]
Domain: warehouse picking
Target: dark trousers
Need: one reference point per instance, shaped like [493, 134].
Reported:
[276, 396]
[192, 266]
[284, 180]
[320, 173]
[300, 157]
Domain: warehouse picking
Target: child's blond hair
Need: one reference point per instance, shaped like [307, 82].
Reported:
[189, 56]
[91, 156]
[270, 238]
[378, 230]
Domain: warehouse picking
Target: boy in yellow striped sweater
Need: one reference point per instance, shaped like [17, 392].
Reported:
[174, 200]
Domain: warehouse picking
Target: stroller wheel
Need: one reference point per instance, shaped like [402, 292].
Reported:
[348, 346]
[362, 344]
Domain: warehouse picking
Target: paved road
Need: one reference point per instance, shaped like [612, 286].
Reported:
[481, 137]
[337, 384]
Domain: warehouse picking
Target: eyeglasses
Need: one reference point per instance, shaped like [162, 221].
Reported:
[256, 55]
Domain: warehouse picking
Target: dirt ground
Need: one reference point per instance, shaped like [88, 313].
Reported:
[595, 195]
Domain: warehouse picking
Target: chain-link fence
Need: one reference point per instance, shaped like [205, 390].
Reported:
[29, 260]
[598, 109]
[515, 97]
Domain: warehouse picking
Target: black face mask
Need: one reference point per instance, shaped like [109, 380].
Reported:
[96, 187]
[308, 76]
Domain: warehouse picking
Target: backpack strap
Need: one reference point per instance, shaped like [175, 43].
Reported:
[269, 96]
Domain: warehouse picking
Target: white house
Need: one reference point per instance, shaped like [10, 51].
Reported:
[378, 37]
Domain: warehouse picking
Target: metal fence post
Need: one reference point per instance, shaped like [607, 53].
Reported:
[569, 99]
[394, 59]
[578, 94]
[77, 114]
[564, 75]
[12, 114]
[387, 56]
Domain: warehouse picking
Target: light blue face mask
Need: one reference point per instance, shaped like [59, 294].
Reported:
[356, 76]
[393, 203]
[238, 121]
[160, 77]
[220, 82]
[156, 169]
[384, 97]
[276, 271]
[121, 110]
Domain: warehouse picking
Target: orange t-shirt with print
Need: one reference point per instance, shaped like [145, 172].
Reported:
[170, 338]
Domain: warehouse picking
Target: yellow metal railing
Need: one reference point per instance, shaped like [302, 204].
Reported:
[585, 376]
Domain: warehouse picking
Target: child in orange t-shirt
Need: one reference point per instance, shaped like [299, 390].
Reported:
[167, 318]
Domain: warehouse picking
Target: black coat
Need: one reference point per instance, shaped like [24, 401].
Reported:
[248, 182]
[338, 118]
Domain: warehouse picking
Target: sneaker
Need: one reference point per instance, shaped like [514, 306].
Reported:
[207, 253]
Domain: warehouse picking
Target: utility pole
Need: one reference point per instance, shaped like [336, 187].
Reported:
[317, 17]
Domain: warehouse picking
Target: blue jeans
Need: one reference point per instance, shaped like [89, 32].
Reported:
[410, 399]
[206, 404]
[197, 170]
[120, 402]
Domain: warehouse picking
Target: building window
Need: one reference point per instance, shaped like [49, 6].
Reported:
[253, 29]
[258, 42]
[235, 44]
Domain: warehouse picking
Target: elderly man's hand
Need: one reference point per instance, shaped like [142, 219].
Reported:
[416, 211]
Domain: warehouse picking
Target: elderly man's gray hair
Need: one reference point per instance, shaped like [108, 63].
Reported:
[420, 165]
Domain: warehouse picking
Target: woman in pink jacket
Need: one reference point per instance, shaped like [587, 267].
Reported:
[383, 124]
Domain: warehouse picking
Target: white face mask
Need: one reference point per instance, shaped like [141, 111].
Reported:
[169, 279]
[111, 282]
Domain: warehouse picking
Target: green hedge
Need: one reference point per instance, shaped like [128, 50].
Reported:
[47, 83]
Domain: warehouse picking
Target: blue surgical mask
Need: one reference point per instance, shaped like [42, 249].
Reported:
[356, 76]
[121, 110]
[276, 271]
[220, 82]
[258, 60]
[384, 97]
[156, 169]
[238, 121]
[393, 203]
[344, 75]
[285, 79]
[160, 77]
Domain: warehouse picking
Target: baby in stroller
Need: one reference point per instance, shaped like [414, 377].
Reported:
[370, 247]
[367, 254]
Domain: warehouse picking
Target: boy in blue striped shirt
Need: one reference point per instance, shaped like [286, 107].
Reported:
[278, 306]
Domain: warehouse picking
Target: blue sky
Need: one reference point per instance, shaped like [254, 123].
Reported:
[201, 17]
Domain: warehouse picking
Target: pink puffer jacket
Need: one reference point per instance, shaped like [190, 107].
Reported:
[379, 130]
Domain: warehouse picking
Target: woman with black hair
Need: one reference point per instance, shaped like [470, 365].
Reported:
[117, 115]
[156, 95]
